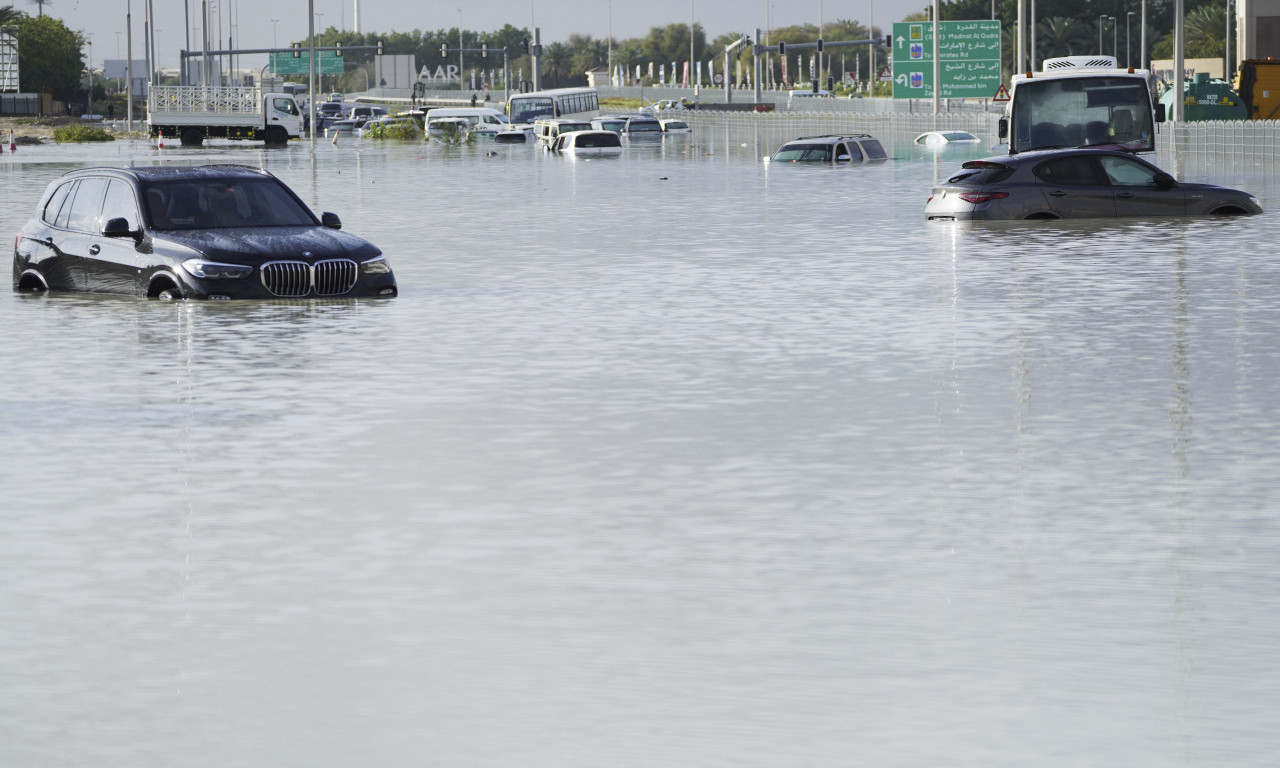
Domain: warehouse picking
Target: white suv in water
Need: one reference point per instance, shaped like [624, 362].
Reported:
[839, 149]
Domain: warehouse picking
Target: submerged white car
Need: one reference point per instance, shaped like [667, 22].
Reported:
[674, 125]
[946, 138]
[837, 149]
[594, 143]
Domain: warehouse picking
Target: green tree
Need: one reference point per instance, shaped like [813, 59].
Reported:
[1062, 36]
[1202, 35]
[9, 15]
[556, 62]
[671, 43]
[49, 57]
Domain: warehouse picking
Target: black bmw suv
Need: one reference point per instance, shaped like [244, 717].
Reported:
[191, 232]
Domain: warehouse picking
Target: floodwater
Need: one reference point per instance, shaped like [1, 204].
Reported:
[676, 459]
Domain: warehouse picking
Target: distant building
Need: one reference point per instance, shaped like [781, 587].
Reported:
[598, 77]
[1257, 30]
[1163, 68]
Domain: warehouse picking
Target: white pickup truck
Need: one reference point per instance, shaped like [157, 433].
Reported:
[192, 113]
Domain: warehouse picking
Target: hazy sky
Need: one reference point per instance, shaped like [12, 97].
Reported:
[250, 23]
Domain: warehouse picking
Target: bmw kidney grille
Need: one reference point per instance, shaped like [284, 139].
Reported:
[294, 279]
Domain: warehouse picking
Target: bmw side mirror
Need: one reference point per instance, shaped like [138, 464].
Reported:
[1164, 181]
[1002, 128]
[1159, 113]
[331, 220]
[119, 227]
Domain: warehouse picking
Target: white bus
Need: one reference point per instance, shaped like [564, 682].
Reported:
[557, 102]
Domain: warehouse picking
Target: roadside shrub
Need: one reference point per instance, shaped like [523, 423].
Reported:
[76, 132]
[401, 131]
[452, 133]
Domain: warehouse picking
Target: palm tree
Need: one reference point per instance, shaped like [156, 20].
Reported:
[42, 4]
[1201, 35]
[9, 14]
[555, 62]
[1061, 36]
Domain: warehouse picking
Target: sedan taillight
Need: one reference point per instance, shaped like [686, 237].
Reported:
[982, 197]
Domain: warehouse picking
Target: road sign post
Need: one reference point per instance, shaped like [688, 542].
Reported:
[969, 58]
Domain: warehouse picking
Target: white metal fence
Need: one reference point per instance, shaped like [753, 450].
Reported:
[1242, 146]
[236, 100]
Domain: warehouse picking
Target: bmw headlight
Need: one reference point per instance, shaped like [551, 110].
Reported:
[376, 266]
[216, 270]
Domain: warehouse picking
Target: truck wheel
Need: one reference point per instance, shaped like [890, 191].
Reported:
[192, 137]
[276, 136]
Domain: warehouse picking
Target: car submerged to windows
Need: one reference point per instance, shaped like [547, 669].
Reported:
[840, 150]
[1076, 184]
[937, 139]
[191, 232]
[588, 143]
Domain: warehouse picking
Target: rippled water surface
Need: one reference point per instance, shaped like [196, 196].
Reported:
[677, 459]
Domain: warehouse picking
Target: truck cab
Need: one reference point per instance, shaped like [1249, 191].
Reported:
[1080, 101]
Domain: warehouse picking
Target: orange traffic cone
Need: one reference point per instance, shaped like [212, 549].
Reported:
[13, 144]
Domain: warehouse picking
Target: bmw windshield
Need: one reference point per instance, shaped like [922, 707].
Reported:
[220, 203]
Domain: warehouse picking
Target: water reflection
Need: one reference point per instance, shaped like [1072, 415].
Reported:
[679, 455]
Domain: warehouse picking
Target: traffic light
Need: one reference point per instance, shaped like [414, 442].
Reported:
[888, 41]
[444, 50]
[524, 44]
[379, 47]
[484, 50]
[338, 52]
[819, 45]
[297, 50]
[782, 48]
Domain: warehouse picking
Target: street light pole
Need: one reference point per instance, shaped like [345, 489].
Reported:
[1227, 35]
[460, 83]
[1128, 50]
[128, 65]
[1142, 39]
[1115, 37]
[1100, 20]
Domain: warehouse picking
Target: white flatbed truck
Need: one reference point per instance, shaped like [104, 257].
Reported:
[193, 113]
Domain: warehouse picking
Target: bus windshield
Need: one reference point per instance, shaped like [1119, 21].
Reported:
[1081, 111]
[526, 109]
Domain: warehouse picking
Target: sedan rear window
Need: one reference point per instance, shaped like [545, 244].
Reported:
[220, 203]
[980, 172]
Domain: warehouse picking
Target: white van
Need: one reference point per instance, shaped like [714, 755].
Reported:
[480, 119]
[547, 130]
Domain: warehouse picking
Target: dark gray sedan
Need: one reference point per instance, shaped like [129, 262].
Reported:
[1076, 184]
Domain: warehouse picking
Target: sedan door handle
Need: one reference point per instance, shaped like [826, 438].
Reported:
[95, 249]
[1124, 195]
[1058, 193]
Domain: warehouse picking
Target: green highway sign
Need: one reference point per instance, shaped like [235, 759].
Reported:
[327, 63]
[969, 55]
